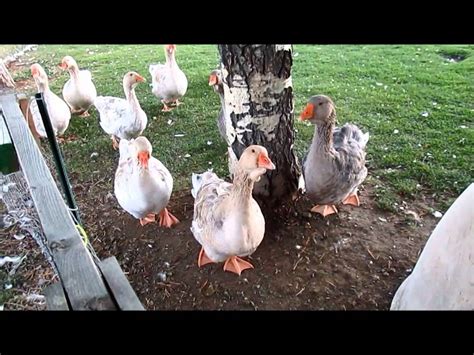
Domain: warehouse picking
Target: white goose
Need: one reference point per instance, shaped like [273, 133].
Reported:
[58, 110]
[228, 222]
[169, 83]
[79, 92]
[443, 277]
[143, 185]
[122, 118]
[215, 80]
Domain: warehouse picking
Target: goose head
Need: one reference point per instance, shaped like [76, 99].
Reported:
[215, 80]
[39, 75]
[170, 50]
[141, 148]
[255, 161]
[68, 63]
[319, 109]
[131, 79]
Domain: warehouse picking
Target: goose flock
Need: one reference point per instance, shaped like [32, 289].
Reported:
[227, 222]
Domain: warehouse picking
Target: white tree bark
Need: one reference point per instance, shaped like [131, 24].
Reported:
[258, 109]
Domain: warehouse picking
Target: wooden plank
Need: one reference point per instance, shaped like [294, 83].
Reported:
[55, 298]
[5, 90]
[81, 279]
[123, 293]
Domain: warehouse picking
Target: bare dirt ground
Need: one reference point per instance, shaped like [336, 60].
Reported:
[354, 260]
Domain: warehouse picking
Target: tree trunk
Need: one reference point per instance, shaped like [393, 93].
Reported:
[258, 97]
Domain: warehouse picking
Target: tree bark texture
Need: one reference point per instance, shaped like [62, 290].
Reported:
[258, 97]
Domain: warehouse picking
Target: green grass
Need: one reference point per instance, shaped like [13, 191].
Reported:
[379, 88]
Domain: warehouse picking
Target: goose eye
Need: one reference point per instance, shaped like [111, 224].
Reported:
[253, 150]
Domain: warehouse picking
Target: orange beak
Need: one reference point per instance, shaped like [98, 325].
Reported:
[307, 112]
[212, 79]
[143, 158]
[263, 161]
[63, 65]
[34, 71]
[140, 78]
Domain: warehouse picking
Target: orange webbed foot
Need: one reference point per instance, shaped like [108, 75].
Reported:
[166, 108]
[148, 219]
[203, 259]
[115, 143]
[236, 265]
[167, 219]
[352, 200]
[324, 210]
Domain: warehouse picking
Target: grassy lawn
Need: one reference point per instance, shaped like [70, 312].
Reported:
[416, 103]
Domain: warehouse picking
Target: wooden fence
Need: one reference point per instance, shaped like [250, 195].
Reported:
[84, 284]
